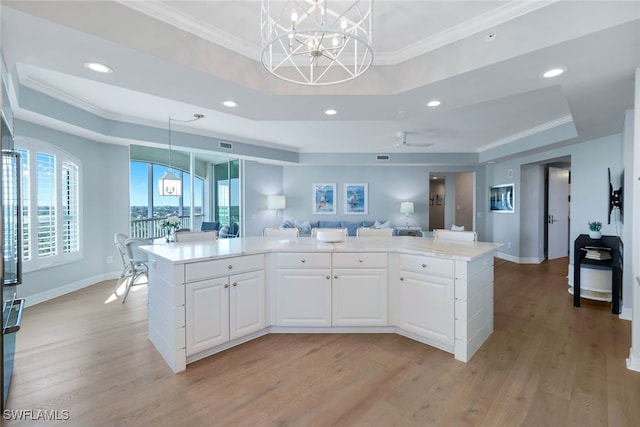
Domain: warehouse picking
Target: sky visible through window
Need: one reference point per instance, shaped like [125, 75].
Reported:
[140, 181]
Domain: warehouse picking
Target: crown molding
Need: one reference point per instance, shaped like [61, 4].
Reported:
[480, 23]
[173, 16]
[529, 132]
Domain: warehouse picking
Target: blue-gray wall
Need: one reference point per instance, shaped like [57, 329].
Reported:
[104, 211]
[260, 180]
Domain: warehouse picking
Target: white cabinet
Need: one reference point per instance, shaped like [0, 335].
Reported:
[359, 289]
[426, 298]
[324, 290]
[222, 309]
[303, 289]
[207, 323]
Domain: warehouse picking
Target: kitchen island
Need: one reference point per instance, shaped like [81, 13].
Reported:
[206, 297]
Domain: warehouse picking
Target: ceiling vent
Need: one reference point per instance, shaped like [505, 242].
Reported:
[225, 145]
[383, 157]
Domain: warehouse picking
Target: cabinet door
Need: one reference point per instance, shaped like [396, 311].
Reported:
[207, 314]
[303, 297]
[246, 304]
[360, 297]
[427, 306]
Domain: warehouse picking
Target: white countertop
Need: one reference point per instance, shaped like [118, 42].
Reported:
[180, 253]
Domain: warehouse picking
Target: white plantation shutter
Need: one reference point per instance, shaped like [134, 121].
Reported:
[26, 204]
[47, 205]
[70, 208]
[51, 220]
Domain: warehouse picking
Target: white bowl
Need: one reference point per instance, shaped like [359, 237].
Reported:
[330, 236]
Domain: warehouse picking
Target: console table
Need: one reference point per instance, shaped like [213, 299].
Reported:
[612, 244]
[408, 231]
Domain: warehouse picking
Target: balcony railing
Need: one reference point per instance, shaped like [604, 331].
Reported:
[151, 228]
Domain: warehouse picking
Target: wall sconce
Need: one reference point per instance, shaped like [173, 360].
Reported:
[276, 202]
[406, 208]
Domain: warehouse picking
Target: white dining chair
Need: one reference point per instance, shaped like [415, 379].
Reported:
[459, 236]
[195, 236]
[374, 232]
[288, 233]
[137, 261]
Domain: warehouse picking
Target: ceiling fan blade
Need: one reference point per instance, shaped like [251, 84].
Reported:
[418, 145]
[386, 147]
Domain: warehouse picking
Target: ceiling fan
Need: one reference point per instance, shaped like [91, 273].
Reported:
[401, 141]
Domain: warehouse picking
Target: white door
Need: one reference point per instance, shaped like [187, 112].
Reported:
[360, 297]
[303, 297]
[246, 304]
[207, 314]
[558, 214]
[427, 306]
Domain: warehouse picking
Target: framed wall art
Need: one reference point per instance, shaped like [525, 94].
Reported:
[324, 198]
[356, 199]
[502, 198]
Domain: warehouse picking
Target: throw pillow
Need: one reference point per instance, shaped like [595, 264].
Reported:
[379, 224]
[303, 228]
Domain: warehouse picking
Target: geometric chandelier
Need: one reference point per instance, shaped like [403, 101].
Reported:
[306, 42]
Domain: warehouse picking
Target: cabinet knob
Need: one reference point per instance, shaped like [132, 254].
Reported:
[360, 261]
[235, 284]
[230, 266]
[303, 260]
[402, 279]
[226, 285]
[328, 277]
[424, 265]
[335, 276]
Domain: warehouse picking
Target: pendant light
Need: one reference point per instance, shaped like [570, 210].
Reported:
[170, 184]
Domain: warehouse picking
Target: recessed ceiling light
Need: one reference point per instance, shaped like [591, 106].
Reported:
[554, 72]
[230, 104]
[331, 112]
[434, 177]
[433, 103]
[98, 67]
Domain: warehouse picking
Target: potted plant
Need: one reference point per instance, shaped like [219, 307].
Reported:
[170, 225]
[594, 230]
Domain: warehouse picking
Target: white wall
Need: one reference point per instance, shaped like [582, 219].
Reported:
[633, 362]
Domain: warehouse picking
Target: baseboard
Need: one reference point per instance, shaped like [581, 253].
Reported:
[530, 260]
[63, 290]
[507, 257]
[633, 364]
[626, 313]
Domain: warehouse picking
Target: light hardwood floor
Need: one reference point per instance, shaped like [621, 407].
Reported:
[546, 364]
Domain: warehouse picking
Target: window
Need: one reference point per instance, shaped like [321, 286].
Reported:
[148, 208]
[51, 190]
[227, 201]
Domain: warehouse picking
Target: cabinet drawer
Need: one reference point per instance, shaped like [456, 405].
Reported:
[220, 267]
[428, 265]
[360, 260]
[303, 260]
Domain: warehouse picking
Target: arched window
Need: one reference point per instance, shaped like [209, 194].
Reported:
[51, 219]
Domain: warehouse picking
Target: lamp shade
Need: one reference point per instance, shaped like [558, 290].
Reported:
[276, 201]
[406, 207]
[170, 185]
